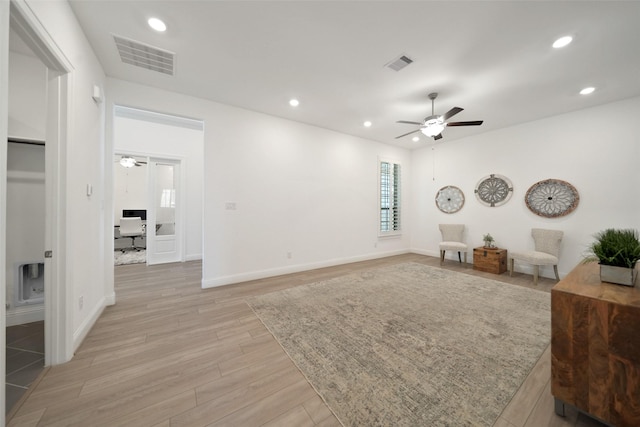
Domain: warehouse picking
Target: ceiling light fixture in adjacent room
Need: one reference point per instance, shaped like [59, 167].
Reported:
[127, 162]
[587, 90]
[415, 139]
[562, 42]
[294, 102]
[367, 124]
[157, 24]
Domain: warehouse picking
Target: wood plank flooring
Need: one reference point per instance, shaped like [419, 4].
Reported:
[172, 354]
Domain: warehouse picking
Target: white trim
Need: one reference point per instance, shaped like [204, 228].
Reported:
[262, 274]
[155, 117]
[24, 176]
[110, 299]
[85, 327]
[193, 257]
[4, 119]
[27, 314]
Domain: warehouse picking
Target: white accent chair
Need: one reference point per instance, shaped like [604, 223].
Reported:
[452, 240]
[547, 249]
[131, 227]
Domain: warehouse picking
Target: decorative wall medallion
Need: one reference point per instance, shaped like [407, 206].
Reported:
[552, 198]
[450, 199]
[494, 190]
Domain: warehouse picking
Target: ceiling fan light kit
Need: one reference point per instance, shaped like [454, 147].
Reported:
[127, 162]
[433, 125]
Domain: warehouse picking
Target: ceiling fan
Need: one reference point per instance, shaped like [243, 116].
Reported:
[434, 125]
[129, 162]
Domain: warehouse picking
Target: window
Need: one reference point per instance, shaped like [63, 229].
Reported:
[389, 197]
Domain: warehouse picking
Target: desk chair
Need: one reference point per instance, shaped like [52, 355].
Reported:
[131, 227]
[547, 249]
[452, 240]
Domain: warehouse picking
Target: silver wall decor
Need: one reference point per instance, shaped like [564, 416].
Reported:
[494, 190]
[552, 198]
[450, 199]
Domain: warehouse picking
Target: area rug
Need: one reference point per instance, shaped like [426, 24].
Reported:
[130, 257]
[410, 344]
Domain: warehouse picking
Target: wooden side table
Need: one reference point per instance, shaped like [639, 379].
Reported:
[490, 260]
[595, 347]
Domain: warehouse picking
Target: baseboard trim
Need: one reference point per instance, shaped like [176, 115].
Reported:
[80, 334]
[263, 274]
[23, 315]
[193, 257]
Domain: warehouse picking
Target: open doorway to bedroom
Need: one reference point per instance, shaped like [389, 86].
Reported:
[158, 175]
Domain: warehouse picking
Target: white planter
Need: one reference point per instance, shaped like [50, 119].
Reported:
[618, 275]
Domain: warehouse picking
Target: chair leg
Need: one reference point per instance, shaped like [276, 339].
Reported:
[511, 267]
[536, 270]
[555, 270]
[441, 257]
[459, 257]
[465, 257]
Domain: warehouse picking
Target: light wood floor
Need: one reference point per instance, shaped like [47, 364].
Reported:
[171, 354]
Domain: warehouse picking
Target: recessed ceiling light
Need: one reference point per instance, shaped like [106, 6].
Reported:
[562, 42]
[367, 124]
[294, 102]
[157, 24]
[415, 139]
[587, 90]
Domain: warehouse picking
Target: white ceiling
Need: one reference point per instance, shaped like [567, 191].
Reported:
[494, 59]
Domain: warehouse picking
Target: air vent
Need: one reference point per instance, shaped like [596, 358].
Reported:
[399, 63]
[145, 56]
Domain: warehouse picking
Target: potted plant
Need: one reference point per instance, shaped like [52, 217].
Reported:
[488, 240]
[617, 251]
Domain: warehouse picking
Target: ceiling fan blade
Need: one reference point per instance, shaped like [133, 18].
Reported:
[473, 123]
[409, 133]
[409, 123]
[452, 112]
[438, 136]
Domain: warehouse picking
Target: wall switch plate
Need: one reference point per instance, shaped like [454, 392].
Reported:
[230, 206]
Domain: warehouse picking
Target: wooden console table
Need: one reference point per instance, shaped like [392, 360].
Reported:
[490, 260]
[595, 347]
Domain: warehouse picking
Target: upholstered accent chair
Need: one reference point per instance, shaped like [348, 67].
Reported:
[547, 250]
[452, 240]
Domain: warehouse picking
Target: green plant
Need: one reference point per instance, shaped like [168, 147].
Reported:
[617, 247]
[488, 239]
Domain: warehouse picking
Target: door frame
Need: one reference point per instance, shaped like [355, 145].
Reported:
[58, 313]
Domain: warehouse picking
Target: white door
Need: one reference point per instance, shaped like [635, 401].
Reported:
[164, 218]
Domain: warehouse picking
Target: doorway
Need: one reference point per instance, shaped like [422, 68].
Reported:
[57, 333]
[147, 188]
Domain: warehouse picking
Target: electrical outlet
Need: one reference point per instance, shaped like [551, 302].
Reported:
[289, 255]
[230, 206]
[80, 302]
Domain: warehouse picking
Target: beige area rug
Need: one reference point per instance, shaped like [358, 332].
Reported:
[411, 345]
[130, 257]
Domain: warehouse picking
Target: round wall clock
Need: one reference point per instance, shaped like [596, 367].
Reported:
[494, 190]
[552, 198]
[450, 199]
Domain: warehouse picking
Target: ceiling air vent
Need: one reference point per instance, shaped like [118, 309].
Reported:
[399, 63]
[145, 56]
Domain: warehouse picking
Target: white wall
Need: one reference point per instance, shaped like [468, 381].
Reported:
[82, 160]
[27, 97]
[297, 188]
[596, 149]
[155, 139]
